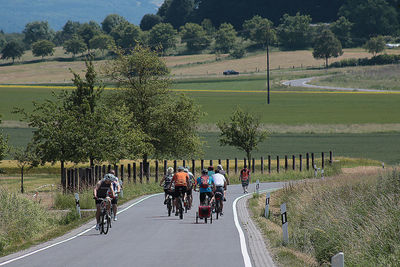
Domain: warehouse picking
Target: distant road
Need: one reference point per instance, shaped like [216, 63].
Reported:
[145, 236]
[304, 83]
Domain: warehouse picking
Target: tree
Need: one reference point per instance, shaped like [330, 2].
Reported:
[342, 29]
[225, 38]
[326, 46]
[370, 18]
[43, 48]
[112, 21]
[13, 50]
[37, 30]
[126, 35]
[26, 160]
[69, 30]
[102, 42]
[75, 46]
[162, 34]
[167, 120]
[194, 36]
[178, 12]
[149, 21]
[375, 45]
[208, 27]
[2, 41]
[260, 31]
[87, 31]
[294, 32]
[241, 131]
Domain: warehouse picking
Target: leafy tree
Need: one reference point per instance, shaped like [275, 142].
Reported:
[370, 18]
[194, 36]
[2, 41]
[112, 21]
[178, 12]
[208, 27]
[375, 45]
[167, 120]
[37, 30]
[294, 32]
[238, 51]
[241, 131]
[69, 30]
[342, 29]
[163, 34]
[259, 30]
[149, 21]
[43, 48]
[162, 10]
[13, 50]
[326, 46]
[225, 38]
[87, 31]
[102, 42]
[126, 35]
[26, 160]
[75, 46]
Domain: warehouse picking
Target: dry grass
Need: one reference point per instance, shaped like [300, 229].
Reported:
[182, 66]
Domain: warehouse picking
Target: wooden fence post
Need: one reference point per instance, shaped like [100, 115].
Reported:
[253, 163]
[76, 180]
[244, 163]
[269, 164]
[129, 172]
[175, 166]
[201, 165]
[104, 171]
[68, 180]
[122, 172]
[194, 167]
[148, 173]
[236, 165]
[277, 164]
[134, 172]
[323, 160]
[308, 161]
[141, 173]
[219, 161]
[184, 163]
[92, 176]
[294, 162]
[330, 157]
[211, 162]
[108, 168]
[227, 166]
[286, 163]
[165, 167]
[312, 160]
[262, 165]
[156, 171]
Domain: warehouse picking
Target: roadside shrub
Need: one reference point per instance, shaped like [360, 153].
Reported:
[376, 60]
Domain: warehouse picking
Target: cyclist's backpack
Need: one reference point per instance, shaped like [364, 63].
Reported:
[245, 175]
[204, 181]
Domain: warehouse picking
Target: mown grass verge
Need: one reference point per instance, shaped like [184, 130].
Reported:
[357, 213]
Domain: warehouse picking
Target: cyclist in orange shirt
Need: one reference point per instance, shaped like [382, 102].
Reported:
[180, 180]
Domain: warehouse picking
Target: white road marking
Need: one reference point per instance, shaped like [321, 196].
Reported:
[73, 237]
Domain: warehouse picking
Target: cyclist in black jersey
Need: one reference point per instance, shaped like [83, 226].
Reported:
[100, 191]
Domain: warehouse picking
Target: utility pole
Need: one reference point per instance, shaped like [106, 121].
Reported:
[268, 98]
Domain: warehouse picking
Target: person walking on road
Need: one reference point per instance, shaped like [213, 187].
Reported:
[245, 179]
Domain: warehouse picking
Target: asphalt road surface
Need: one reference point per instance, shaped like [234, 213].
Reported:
[144, 235]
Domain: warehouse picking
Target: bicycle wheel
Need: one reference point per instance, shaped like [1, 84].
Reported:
[105, 225]
[101, 223]
[180, 209]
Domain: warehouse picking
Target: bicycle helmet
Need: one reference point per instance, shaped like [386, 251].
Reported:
[185, 170]
[170, 170]
[204, 171]
[110, 177]
[219, 167]
[211, 168]
[180, 169]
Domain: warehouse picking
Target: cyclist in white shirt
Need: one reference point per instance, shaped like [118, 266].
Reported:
[220, 185]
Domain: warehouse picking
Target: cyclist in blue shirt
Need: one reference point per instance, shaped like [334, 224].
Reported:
[206, 185]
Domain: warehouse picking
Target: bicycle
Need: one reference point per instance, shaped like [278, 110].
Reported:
[180, 205]
[105, 216]
[218, 198]
[169, 204]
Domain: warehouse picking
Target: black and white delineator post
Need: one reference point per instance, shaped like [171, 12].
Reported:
[258, 187]
[338, 260]
[284, 224]
[78, 207]
[266, 213]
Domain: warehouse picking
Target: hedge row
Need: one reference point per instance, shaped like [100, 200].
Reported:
[376, 60]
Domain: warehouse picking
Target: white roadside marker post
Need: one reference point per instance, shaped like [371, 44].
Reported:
[322, 174]
[257, 187]
[338, 260]
[266, 213]
[284, 224]
[78, 208]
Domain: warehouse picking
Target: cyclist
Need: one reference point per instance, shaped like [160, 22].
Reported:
[245, 178]
[100, 191]
[210, 171]
[117, 190]
[167, 179]
[221, 171]
[180, 180]
[205, 183]
[189, 187]
[219, 186]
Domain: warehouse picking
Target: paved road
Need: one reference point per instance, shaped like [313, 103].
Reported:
[304, 83]
[145, 236]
